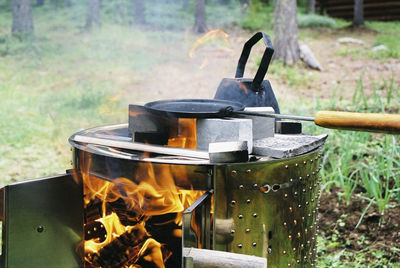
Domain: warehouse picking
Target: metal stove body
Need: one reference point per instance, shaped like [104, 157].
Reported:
[266, 207]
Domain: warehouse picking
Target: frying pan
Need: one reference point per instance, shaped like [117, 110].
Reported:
[213, 108]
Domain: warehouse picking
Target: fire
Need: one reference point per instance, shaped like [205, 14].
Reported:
[186, 134]
[207, 37]
[132, 216]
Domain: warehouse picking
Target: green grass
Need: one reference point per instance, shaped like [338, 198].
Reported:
[314, 20]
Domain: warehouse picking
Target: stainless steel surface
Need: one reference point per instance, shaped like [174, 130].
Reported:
[196, 223]
[271, 208]
[135, 146]
[43, 223]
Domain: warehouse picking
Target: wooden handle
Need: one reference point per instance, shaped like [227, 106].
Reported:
[387, 123]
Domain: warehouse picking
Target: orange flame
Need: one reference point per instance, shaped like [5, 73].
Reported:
[207, 37]
[186, 134]
[152, 192]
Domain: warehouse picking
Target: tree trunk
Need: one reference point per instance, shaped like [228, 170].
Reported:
[22, 16]
[93, 14]
[200, 25]
[358, 19]
[285, 31]
[311, 6]
[39, 3]
[139, 12]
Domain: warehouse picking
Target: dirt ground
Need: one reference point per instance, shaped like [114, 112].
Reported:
[376, 231]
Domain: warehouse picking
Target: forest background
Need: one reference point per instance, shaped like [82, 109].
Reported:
[75, 64]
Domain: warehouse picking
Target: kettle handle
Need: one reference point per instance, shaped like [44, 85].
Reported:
[266, 59]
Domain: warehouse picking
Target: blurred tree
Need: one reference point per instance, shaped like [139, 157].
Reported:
[265, 2]
[22, 16]
[93, 14]
[200, 25]
[311, 6]
[224, 2]
[185, 4]
[67, 3]
[139, 11]
[358, 19]
[39, 3]
[245, 2]
[285, 31]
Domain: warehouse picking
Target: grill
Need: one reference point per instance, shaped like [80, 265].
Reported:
[166, 190]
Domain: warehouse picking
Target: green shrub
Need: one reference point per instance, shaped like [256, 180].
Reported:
[314, 20]
[259, 16]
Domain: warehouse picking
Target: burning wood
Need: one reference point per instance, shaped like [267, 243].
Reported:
[132, 216]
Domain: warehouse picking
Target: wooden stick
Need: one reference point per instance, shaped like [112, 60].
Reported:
[375, 122]
[205, 258]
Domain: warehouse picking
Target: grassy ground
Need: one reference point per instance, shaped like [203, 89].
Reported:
[64, 79]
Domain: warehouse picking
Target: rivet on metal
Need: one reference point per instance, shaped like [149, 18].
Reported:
[305, 257]
[305, 162]
[248, 171]
[265, 189]
[286, 166]
[291, 180]
[312, 199]
[313, 172]
[306, 230]
[290, 237]
[289, 265]
[247, 230]
[295, 193]
[284, 252]
[302, 245]
[303, 218]
[234, 172]
[255, 215]
[255, 185]
[310, 187]
[241, 187]
[294, 249]
[311, 160]
[269, 250]
[233, 202]
[309, 214]
[290, 209]
[284, 224]
[298, 261]
[239, 245]
[254, 244]
[298, 235]
[248, 201]
[307, 203]
[304, 190]
[308, 175]
[285, 195]
[300, 178]
[308, 242]
[240, 216]
[295, 222]
[232, 231]
[296, 165]
[299, 206]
